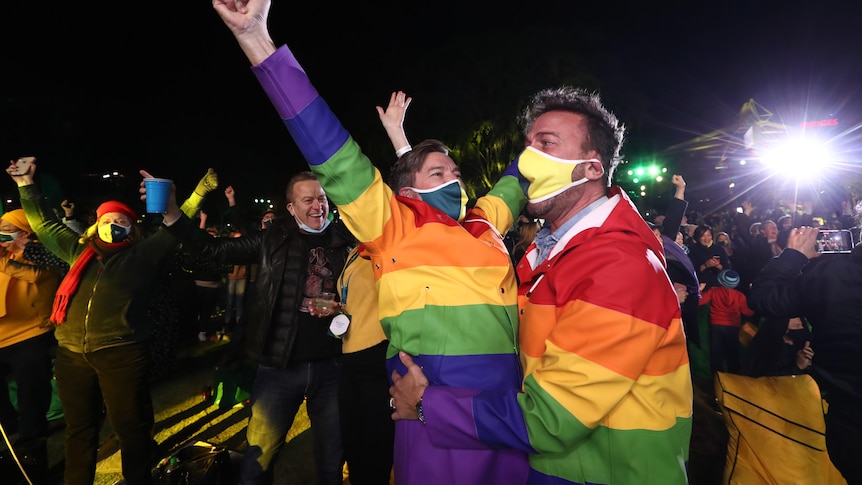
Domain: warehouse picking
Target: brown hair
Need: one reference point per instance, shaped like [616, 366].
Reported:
[526, 233]
[299, 177]
[403, 173]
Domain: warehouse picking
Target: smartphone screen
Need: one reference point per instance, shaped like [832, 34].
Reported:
[834, 241]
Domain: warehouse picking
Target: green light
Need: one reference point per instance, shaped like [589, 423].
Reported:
[653, 170]
[639, 171]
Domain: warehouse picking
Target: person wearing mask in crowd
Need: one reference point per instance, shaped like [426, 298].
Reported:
[102, 329]
[607, 379]
[266, 219]
[454, 310]
[26, 341]
[824, 290]
[781, 347]
[297, 360]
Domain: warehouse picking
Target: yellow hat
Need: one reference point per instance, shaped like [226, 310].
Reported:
[17, 219]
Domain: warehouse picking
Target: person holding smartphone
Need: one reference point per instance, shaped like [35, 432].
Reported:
[707, 257]
[824, 290]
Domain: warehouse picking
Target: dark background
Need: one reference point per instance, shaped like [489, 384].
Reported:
[92, 88]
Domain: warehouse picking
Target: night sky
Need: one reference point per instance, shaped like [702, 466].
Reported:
[90, 89]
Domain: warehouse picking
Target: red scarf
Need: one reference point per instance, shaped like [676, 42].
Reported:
[73, 278]
[69, 285]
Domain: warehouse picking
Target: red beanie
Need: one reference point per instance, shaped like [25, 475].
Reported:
[115, 206]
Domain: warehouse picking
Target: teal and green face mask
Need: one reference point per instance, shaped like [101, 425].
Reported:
[548, 175]
[449, 197]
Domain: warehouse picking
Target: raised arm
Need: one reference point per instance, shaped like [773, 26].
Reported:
[247, 19]
[392, 119]
[675, 208]
[205, 185]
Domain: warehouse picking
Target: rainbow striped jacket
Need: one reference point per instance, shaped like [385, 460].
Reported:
[447, 291]
[607, 394]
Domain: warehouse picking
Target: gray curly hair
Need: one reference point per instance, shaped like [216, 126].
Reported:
[605, 133]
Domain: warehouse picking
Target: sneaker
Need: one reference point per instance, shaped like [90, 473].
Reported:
[202, 336]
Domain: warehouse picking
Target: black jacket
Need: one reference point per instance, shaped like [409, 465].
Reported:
[278, 251]
[826, 292]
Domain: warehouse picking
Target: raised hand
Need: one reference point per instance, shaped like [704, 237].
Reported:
[392, 119]
[247, 20]
[804, 240]
[22, 170]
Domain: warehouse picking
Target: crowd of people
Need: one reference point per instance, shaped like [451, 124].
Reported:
[542, 333]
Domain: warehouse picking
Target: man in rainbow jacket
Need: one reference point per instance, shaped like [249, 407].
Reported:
[607, 394]
[447, 289]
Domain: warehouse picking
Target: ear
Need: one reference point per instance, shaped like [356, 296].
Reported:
[289, 207]
[409, 193]
[593, 170]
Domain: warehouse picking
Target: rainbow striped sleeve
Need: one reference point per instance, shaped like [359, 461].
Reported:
[607, 389]
[346, 174]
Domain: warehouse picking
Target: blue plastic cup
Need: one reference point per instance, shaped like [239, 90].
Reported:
[158, 191]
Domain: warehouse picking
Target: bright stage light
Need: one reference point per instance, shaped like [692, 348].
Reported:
[797, 157]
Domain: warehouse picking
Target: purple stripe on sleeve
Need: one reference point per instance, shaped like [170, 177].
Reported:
[285, 82]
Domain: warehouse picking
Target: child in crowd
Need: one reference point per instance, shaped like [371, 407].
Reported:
[727, 307]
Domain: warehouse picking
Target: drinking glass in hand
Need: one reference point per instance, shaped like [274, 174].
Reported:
[323, 302]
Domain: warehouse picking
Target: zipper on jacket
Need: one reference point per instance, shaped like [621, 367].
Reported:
[89, 306]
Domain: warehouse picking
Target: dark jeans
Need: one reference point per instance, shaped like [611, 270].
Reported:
[116, 380]
[724, 348]
[28, 363]
[275, 400]
[208, 299]
[234, 300]
[367, 427]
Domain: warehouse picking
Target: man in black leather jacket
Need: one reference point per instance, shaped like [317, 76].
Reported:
[298, 257]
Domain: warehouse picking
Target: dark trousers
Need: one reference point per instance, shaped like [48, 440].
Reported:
[116, 380]
[368, 430]
[275, 400]
[843, 429]
[724, 348]
[208, 299]
[28, 363]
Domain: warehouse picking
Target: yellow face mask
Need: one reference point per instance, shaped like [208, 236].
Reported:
[548, 175]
